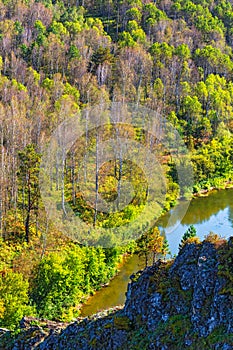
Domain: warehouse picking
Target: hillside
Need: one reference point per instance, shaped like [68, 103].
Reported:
[185, 303]
[60, 58]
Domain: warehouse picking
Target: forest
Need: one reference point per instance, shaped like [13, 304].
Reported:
[59, 57]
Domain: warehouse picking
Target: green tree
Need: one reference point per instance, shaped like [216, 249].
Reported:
[190, 236]
[29, 166]
[58, 285]
[165, 250]
[134, 14]
[96, 269]
[14, 300]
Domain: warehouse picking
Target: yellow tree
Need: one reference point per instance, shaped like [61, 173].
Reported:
[151, 242]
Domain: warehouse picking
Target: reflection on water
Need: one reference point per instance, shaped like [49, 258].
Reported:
[213, 213]
[114, 293]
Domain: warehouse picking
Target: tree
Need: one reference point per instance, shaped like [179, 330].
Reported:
[58, 284]
[100, 64]
[28, 185]
[190, 236]
[212, 60]
[165, 248]
[14, 299]
[149, 243]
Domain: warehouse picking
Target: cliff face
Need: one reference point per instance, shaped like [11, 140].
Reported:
[185, 303]
[195, 294]
[192, 286]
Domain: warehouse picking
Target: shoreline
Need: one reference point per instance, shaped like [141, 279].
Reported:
[205, 192]
[120, 265]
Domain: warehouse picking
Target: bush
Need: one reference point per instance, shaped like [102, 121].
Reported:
[212, 237]
[62, 280]
[14, 301]
[58, 285]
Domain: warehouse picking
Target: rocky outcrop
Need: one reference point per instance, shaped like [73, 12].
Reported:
[191, 286]
[185, 303]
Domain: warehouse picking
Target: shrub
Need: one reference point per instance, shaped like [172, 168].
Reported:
[212, 237]
[14, 301]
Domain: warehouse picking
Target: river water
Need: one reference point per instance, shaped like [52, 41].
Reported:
[212, 213]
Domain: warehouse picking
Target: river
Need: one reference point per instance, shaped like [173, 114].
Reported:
[212, 213]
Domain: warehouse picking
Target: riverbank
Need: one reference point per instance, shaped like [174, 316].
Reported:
[114, 293]
[206, 191]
